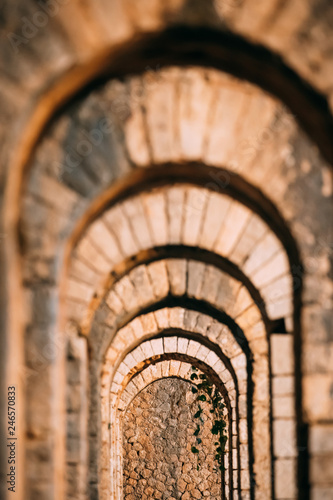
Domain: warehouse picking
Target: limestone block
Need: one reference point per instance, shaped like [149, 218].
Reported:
[117, 381]
[203, 353]
[157, 371]
[283, 407]
[136, 215]
[147, 375]
[227, 293]
[259, 347]
[282, 287]
[161, 129]
[158, 275]
[322, 493]
[214, 218]
[195, 203]
[122, 368]
[137, 329]
[177, 273]
[282, 354]
[127, 294]
[190, 319]
[115, 387]
[182, 345]
[170, 344]
[148, 323]
[284, 438]
[90, 254]
[196, 271]
[58, 195]
[81, 271]
[165, 368]
[76, 310]
[281, 308]
[203, 322]
[214, 330]
[283, 385]
[79, 291]
[157, 346]
[245, 479]
[321, 439]
[212, 358]
[262, 253]
[249, 317]
[285, 478]
[130, 361]
[252, 234]
[140, 279]
[131, 389]
[127, 334]
[321, 470]
[176, 317]
[243, 432]
[105, 241]
[138, 355]
[243, 301]
[185, 369]
[222, 138]
[119, 342]
[273, 269]
[318, 403]
[318, 358]
[256, 332]
[114, 303]
[175, 197]
[155, 207]
[239, 361]
[117, 222]
[135, 136]
[233, 227]
[174, 367]
[138, 381]
[147, 349]
[193, 348]
[229, 385]
[210, 284]
[194, 103]
[162, 318]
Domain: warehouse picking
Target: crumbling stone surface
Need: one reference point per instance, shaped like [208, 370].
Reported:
[158, 429]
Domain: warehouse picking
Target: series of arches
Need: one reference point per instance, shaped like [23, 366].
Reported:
[101, 231]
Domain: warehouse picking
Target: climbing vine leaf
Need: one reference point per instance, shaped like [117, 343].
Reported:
[207, 391]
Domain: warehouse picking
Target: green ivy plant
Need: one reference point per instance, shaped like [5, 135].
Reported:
[205, 390]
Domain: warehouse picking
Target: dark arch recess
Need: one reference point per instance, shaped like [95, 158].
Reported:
[200, 306]
[219, 384]
[206, 369]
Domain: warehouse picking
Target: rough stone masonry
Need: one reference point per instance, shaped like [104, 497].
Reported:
[158, 436]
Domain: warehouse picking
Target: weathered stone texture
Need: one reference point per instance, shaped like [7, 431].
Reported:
[158, 434]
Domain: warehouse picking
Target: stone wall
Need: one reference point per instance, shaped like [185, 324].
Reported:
[158, 429]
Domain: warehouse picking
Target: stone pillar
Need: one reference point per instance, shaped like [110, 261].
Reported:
[77, 418]
[284, 422]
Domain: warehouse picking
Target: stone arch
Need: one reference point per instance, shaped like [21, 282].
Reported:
[249, 311]
[164, 369]
[265, 258]
[238, 22]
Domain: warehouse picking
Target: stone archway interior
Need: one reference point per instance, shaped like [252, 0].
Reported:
[158, 434]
